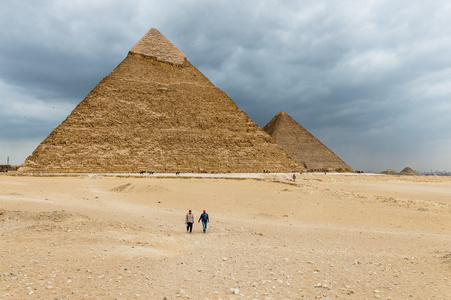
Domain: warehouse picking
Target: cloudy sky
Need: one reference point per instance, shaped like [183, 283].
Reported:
[370, 79]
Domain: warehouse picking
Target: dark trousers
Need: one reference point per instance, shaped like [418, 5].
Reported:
[189, 226]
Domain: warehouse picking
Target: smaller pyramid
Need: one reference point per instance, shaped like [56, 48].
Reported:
[389, 172]
[302, 146]
[408, 171]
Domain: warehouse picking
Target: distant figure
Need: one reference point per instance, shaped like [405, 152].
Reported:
[294, 177]
[205, 220]
[189, 220]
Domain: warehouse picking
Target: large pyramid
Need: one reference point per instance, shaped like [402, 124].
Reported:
[302, 146]
[157, 112]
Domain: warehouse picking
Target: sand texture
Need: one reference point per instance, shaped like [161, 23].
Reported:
[331, 236]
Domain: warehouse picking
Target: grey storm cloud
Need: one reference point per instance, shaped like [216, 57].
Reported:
[370, 79]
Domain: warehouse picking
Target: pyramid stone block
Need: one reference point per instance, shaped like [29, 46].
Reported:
[302, 146]
[157, 112]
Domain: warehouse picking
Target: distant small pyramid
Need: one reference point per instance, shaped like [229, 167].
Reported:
[157, 112]
[302, 146]
[408, 171]
[389, 172]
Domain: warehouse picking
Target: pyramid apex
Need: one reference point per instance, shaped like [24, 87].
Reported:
[284, 116]
[156, 45]
[281, 114]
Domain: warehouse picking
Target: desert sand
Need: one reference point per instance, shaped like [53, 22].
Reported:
[321, 237]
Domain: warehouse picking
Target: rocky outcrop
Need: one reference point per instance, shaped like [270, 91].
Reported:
[157, 112]
[6, 168]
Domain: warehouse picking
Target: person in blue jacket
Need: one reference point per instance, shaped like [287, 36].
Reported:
[205, 220]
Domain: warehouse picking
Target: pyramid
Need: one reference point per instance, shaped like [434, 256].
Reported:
[156, 112]
[302, 146]
[408, 171]
[389, 172]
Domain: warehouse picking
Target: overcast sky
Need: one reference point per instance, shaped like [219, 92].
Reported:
[370, 79]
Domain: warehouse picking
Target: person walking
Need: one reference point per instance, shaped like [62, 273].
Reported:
[205, 220]
[189, 220]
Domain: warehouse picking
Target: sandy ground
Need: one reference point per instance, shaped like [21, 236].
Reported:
[321, 237]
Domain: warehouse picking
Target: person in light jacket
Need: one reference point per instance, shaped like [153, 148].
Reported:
[189, 220]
